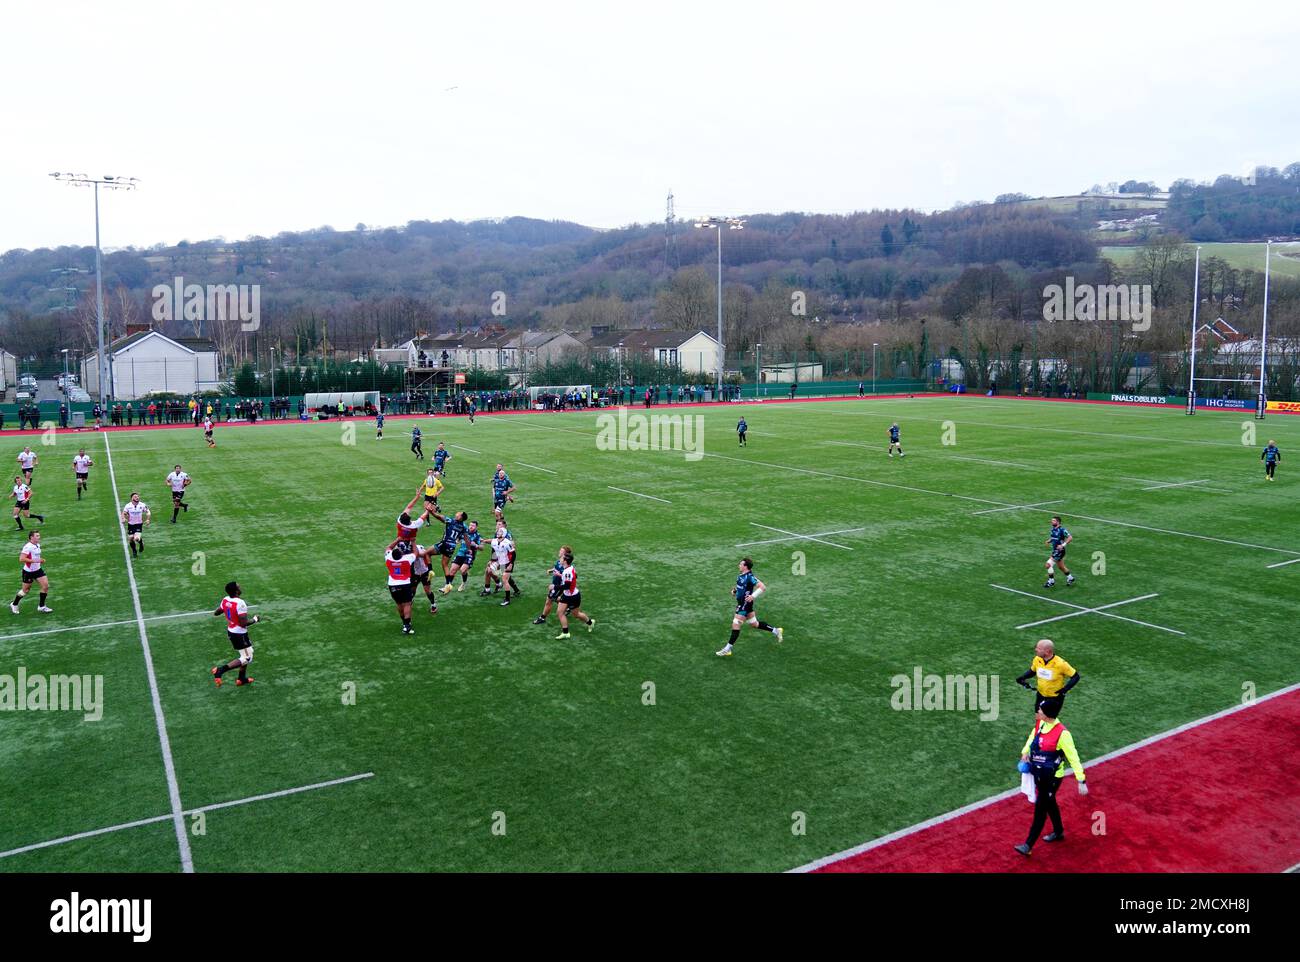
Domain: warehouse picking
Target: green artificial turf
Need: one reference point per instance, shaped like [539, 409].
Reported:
[495, 747]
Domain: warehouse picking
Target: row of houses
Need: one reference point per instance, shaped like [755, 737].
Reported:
[496, 349]
[147, 361]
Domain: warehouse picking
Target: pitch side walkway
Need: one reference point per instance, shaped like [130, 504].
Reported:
[1221, 795]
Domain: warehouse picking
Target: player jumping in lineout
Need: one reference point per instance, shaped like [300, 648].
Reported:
[1059, 539]
[453, 534]
[747, 591]
[235, 610]
[894, 442]
[1271, 456]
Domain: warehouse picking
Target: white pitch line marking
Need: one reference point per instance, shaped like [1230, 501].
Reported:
[535, 467]
[848, 444]
[1017, 507]
[160, 721]
[193, 811]
[1174, 484]
[463, 448]
[819, 534]
[1009, 464]
[805, 537]
[1181, 534]
[1080, 609]
[105, 624]
[649, 497]
[944, 494]
[1013, 792]
[1087, 611]
[1283, 564]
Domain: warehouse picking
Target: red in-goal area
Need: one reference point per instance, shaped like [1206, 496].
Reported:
[1223, 796]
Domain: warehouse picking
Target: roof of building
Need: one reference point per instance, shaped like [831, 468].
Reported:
[643, 339]
[196, 345]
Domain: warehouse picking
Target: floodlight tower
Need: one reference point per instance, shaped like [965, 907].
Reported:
[718, 223]
[108, 182]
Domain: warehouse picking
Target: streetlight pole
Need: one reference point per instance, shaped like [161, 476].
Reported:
[758, 366]
[109, 182]
[620, 372]
[874, 345]
[717, 223]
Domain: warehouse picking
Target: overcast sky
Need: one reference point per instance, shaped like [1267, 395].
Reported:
[245, 118]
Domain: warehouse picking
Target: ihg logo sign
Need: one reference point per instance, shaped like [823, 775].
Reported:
[213, 302]
[1129, 303]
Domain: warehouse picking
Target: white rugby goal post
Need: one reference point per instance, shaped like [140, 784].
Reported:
[1260, 393]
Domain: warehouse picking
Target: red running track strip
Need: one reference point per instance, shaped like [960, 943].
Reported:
[1221, 797]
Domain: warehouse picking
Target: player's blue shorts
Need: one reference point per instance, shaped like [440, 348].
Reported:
[1058, 553]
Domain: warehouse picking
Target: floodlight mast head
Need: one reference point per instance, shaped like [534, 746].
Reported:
[108, 182]
[717, 223]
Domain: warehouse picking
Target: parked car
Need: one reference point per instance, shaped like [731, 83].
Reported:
[78, 394]
[23, 397]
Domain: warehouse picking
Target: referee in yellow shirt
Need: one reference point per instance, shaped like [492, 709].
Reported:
[1055, 676]
[431, 488]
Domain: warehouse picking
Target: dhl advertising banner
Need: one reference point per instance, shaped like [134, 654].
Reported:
[1283, 407]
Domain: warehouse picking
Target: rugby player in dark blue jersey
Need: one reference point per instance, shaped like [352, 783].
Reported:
[463, 560]
[748, 590]
[440, 458]
[379, 426]
[1270, 457]
[503, 489]
[552, 593]
[1058, 538]
[417, 443]
[741, 428]
[894, 442]
[452, 537]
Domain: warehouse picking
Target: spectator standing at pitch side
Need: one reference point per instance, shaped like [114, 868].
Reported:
[1055, 676]
[1049, 748]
